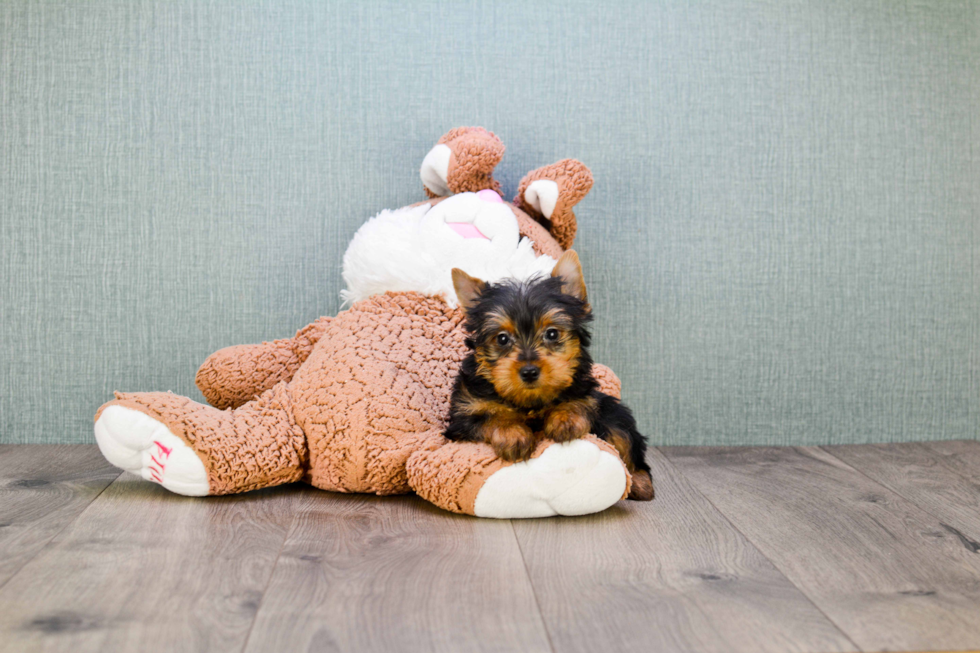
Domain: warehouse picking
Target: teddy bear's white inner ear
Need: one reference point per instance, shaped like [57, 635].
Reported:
[435, 169]
[542, 195]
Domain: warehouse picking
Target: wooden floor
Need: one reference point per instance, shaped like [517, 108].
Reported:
[866, 548]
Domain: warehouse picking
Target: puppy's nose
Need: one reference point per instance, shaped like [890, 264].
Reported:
[530, 373]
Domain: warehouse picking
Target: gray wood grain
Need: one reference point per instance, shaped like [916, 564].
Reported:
[672, 575]
[143, 569]
[363, 573]
[960, 456]
[892, 565]
[927, 478]
[884, 570]
[42, 489]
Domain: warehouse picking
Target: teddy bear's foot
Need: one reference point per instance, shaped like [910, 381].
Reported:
[574, 478]
[134, 441]
[254, 446]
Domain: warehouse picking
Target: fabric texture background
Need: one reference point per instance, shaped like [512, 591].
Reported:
[782, 244]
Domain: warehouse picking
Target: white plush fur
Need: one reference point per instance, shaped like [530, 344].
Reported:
[575, 478]
[413, 249]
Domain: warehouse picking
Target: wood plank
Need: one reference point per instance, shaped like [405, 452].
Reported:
[960, 456]
[884, 570]
[143, 569]
[42, 489]
[671, 575]
[365, 573]
[924, 477]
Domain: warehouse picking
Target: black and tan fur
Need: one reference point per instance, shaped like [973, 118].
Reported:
[529, 372]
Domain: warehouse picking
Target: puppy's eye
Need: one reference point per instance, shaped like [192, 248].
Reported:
[551, 335]
[503, 339]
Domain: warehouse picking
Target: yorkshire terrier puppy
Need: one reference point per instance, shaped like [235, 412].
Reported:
[529, 372]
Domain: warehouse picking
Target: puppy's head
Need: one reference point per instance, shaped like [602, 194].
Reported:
[529, 338]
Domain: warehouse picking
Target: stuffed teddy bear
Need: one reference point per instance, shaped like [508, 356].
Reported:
[358, 402]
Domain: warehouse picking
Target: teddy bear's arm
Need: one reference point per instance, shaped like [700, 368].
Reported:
[235, 375]
[577, 478]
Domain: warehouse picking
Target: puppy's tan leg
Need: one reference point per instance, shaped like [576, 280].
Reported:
[642, 487]
[570, 420]
[511, 439]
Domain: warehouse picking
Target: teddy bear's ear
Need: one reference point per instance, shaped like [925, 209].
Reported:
[462, 161]
[549, 193]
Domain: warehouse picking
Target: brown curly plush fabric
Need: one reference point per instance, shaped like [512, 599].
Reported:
[234, 375]
[574, 182]
[608, 381]
[376, 388]
[451, 475]
[475, 153]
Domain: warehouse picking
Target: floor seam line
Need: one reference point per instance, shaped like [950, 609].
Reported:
[534, 592]
[755, 546]
[268, 582]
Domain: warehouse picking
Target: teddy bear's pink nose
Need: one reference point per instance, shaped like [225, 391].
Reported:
[488, 195]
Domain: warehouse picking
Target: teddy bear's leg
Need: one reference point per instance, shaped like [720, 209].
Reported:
[234, 375]
[574, 478]
[462, 161]
[193, 449]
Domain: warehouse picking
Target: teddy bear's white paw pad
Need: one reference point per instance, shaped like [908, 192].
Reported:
[574, 478]
[136, 442]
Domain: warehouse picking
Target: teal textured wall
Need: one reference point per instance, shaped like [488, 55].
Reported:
[782, 241]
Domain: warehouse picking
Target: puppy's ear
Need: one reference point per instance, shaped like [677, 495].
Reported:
[468, 289]
[569, 270]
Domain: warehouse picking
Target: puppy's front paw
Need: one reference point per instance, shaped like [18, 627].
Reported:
[512, 442]
[563, 425]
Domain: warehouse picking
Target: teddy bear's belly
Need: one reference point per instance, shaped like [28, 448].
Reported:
[375, 389]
